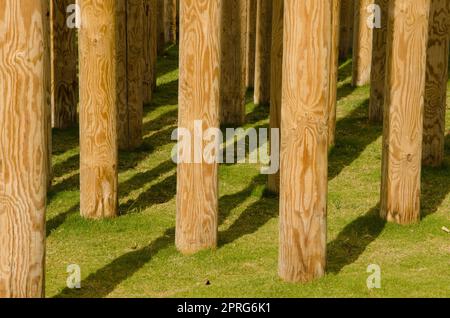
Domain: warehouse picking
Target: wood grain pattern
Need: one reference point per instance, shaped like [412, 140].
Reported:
[276, 79]
[251, 43]
[334, 68]
[362, 44]
[98, 109]
[161, 27]
[263, 48]
[64, 55]
[197, 189]
[23, 84]
[233, 38]
[403, 118]
[378, 74]
[304, 135]
[436, 84]
[170, 21]
[346, 28]
[131, 102]
[150, 50]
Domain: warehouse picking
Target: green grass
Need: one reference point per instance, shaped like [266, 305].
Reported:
[134, 255]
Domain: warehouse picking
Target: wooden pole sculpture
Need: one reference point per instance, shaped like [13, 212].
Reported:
[64, 67]
[170, 21]
[232, 61]
[304, 146]
[403, 118]
[378, 74]
[197, 190]
[276, 75]
[131, 64]
[436, 84]
[150, 50]
[346, 29]
[22, 147]
[334, 68]
[98, 109]
[362, 43]
[251, 43]
[263, 48]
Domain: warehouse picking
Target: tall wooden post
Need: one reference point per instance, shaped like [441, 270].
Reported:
[150, 49]
[251, 43]
[22, 148]
[403, 118]
[263, 48]
[48, 90]
[378, 74]
[304, 146]
[362, 43]
[436, 84]
[197, 190]
[232, 61]
[276, 75]
[64, 55]
[334, 68]
[170, 21]
[346, 29]
[98, 108]
[131, 63]
[161, 27]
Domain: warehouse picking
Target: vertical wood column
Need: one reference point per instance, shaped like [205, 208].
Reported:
[98, 108]
[378, 74]
[64, 67]
[46, 9]
[197, 190]
[276, 75]
[131, 73]
[22, 147]
[251, 43]
[170, 21]
[232, 61]
[263, 48]
[334, 68]
[304, 146]
[362, 44]
[346, 29]
[436, 84]
[403, 118]
[150, 50]
[161, 27]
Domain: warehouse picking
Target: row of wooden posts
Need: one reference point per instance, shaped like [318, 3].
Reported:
[287, 50]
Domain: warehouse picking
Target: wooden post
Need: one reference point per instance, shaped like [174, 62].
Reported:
[276, 75]
[131, 64]
[362, 43]
[251, 43]
[22, 147]
[150, 50]
[263, 48]
[64, 55]
[403, 118]
[232, 61]
[378, 74]
[346, 29]
[304, 146]
[48, 91]
[436, 84]
[170, 21]
[334, 68]
[161, 27]
[98, 108]
[197, 190]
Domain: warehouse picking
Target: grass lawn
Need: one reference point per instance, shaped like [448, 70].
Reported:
[134, 255]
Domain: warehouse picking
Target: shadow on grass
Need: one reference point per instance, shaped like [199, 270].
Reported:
[64, 140]
[59, 219]
[101, 283]
[353, 240]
